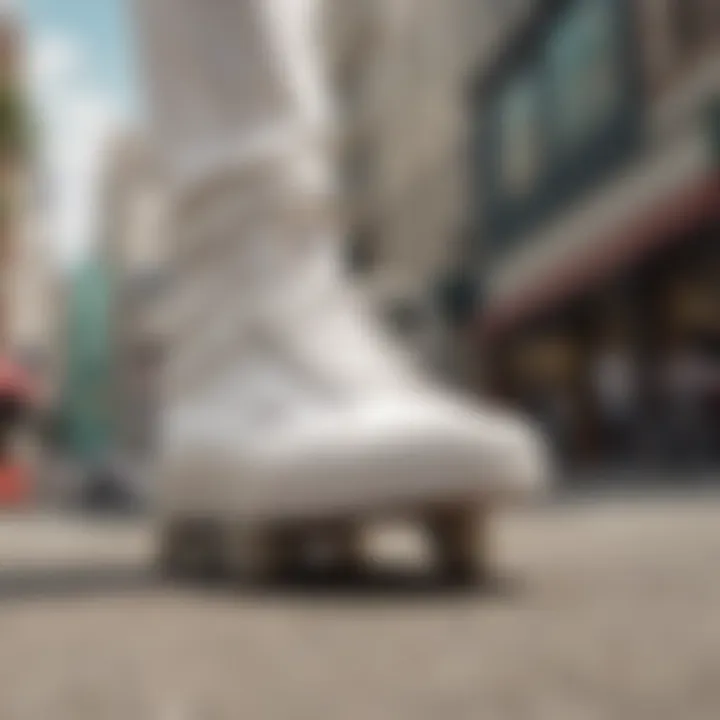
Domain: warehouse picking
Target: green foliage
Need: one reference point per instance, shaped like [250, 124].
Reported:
[14, 123]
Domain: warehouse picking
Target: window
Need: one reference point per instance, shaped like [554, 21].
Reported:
[520, 136]
[584, 70]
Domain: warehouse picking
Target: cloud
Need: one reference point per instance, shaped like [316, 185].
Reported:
[76, 117]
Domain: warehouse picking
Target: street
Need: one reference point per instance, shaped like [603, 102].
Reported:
[606, 609]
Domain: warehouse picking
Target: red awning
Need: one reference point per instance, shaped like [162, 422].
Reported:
[670, 220]
[15, 381]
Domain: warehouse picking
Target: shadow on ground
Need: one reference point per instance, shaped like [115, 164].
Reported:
[37, 584]
[19, 584]
[380, 583]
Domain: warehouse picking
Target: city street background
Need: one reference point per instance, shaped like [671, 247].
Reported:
[530, 196]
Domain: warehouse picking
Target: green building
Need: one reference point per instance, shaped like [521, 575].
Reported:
[86, 410]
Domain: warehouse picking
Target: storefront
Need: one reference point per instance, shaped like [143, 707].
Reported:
[599, 244]
[656, 304]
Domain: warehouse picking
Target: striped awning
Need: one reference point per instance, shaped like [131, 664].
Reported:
[662, 199]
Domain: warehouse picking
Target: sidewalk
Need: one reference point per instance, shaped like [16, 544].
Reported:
[636, 482]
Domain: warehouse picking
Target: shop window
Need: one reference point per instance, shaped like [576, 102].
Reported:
[520, 134]
[585, 72]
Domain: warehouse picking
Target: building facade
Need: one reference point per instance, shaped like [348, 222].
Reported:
[133, 252]
[26, 287]
[596, 189]
[13, 163]
[399, 72]
[85, 412]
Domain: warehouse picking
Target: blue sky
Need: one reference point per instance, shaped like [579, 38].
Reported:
[82, 81]
[101, 28]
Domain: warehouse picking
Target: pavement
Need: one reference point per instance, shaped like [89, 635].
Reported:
[608, 608]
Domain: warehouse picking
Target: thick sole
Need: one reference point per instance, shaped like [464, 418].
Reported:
[207, 549]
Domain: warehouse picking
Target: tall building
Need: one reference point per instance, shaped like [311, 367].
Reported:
[32, 304]
[29, 283]
[133, 252]
[15, 182]
[86, 409]
[596, 189]
[399, 70]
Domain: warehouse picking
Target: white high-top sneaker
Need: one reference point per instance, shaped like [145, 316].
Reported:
[287, 410]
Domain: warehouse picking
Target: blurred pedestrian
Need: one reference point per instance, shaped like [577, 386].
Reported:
[615, 384]
[688, 384]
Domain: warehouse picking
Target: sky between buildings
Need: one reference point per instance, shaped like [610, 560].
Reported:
[82, 81]
[82, 77]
